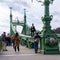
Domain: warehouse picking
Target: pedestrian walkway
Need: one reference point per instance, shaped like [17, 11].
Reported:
[25, 54]
[23, 50]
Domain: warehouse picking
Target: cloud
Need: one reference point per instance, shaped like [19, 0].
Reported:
[16, 4]
[34, 12]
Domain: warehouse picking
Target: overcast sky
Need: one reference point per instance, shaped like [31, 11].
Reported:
[34, 13]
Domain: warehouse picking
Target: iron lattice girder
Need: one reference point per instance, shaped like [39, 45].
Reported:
[18, 23]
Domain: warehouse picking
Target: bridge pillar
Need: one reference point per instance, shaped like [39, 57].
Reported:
[49, 38]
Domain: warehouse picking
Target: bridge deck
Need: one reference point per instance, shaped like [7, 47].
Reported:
[26, 54]
[23, 50]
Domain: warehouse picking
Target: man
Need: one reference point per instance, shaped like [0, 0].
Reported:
[33, 30]
[36, 38]
[8, 40]
[4, 41]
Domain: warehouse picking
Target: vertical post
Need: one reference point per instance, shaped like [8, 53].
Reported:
[47, 46]
[15, 28]
[46, 3]
[25, 21]
[10, 20]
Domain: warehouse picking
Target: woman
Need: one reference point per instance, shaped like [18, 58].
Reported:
[16, 42]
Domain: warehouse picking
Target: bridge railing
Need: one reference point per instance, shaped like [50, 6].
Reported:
[27, 41]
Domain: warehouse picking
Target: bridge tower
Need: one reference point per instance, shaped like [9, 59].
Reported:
[13, 25]
[24, 26]
[11, 21]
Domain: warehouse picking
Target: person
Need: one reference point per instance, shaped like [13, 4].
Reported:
[33, 30]
[36, 38]
[12, 40]
[4, 41]
[8, 40]
[16, 41]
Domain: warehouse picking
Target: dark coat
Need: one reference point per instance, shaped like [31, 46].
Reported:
[3, 37]
[16, 41]
[33, 29]
[36, 38]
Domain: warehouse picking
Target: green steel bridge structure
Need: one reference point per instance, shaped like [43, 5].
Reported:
[14, 24]
[46, 46]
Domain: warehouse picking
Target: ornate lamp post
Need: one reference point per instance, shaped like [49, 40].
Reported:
[48, 35]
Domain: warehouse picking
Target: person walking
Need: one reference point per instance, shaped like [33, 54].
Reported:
[16, 42]
[36, 39]
[9, 43]
[4, 41]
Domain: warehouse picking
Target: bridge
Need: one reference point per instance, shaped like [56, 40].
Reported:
[26, 44]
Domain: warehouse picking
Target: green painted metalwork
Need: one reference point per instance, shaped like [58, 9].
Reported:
[24, 27]
[13, 24]
[11, 21]
[47, 33]
[26, 40]
[12, 29]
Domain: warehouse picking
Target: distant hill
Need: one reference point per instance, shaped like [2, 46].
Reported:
[57, 30]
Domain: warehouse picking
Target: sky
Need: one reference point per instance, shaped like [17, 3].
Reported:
[34, 11]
